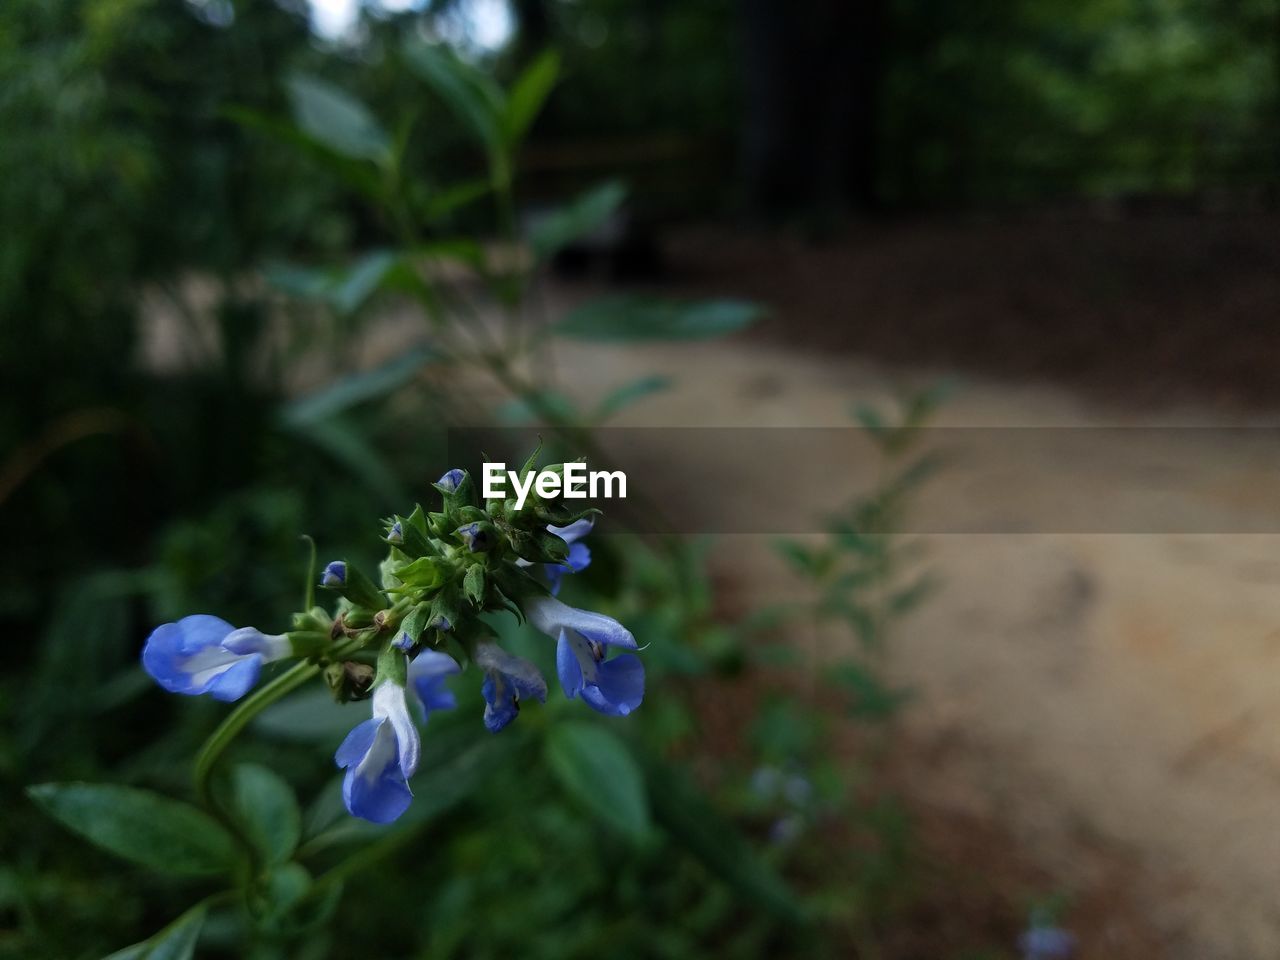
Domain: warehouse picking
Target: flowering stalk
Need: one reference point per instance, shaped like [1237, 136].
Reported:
[393, 641]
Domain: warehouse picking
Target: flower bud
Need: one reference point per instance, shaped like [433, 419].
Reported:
[473, 585]
[457, 488]
[335, 574]
[349, 680]
[342, 578]
[478, 537]
[450, 482]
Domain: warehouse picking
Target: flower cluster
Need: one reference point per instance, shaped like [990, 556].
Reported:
[395, 642]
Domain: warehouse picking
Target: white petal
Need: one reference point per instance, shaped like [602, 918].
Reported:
[248, 640]
[390, 702]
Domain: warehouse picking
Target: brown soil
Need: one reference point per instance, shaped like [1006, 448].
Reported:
[1148, 310]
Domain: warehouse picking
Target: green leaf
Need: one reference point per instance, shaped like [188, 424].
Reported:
[627, 318]
[469, 94]
[354, 286]
[871, 419]
[529, 93]
[585, 214]
[597, 769]
[178, 940]
[813, 562]
[705, 834]
[906, 599]
[345, 289]
[281, 890]
[447, 200]
[354, 172]
[870, 699]
[536, 407]
[358, 388]
[629, 393]
[175, 942]
[309, 715]
[141, 826]
[347, 445]
[264, 807]
[337, 119]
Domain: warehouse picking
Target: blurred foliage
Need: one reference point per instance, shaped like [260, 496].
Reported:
[1013, 102]
[170, 426]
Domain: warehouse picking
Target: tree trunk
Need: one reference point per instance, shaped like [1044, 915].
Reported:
[812, 85]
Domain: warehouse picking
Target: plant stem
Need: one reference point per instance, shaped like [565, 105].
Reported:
[239, 718]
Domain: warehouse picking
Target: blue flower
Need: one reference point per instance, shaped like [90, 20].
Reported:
[452, 480]
[204, 654]
[427, 676]
[396, 533]
[508, 679]
[611, 686]
[334, 575]
[614, 686]
[474, 536]
[1047, 943]
[380, 755]
[579, 553]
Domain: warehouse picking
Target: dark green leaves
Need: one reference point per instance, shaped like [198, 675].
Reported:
[701, 830]
[140, 826]
[578, 219]
[629, 318]
[263, 807]
[529, 94]
[337, 120]
[627, 394]
[498, 120]
[358, 388]
[598, 771]
[175, 942]
[468, 93]
[345, 289]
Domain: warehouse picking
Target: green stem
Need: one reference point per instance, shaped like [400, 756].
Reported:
[239, 718]
[309, 593]
[365, 857]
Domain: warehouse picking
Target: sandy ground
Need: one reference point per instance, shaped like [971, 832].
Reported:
[1087, 689]
[1113, 692]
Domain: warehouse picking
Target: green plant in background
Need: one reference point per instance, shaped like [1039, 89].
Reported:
[478, 299]
[385, 643]
[618, 809]
[593, 838]
[866, 575]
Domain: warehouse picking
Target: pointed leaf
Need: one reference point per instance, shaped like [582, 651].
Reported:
[629, 393]
[175, 942]
[264, 807]
[178, 940]
[529, 93]
[469, 94]
[628, 318]
[337, 119]
[701, 830]
[141, 826]
[596, 768]
[357, 388]
[581, 217]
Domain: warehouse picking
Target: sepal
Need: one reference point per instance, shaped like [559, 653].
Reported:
[342, 578]
[473, 585]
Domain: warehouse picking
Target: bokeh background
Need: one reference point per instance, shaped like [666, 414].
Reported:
[229, 229]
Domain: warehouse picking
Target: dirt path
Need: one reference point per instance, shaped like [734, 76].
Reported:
[1084, 689]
